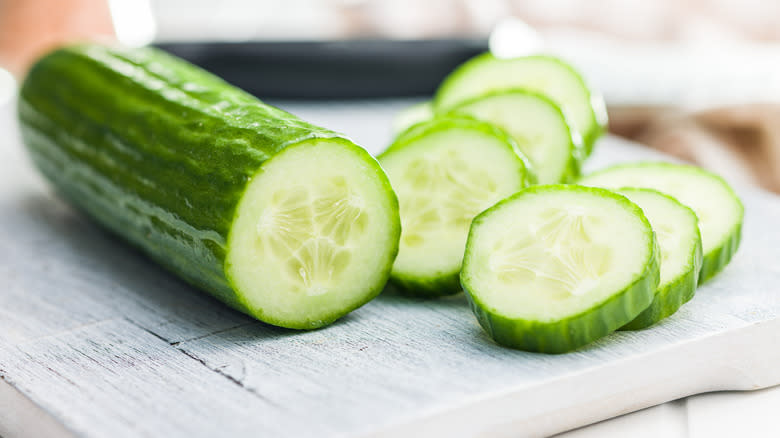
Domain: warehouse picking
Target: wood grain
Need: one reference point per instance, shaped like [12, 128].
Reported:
[113, 378]
[107, 344]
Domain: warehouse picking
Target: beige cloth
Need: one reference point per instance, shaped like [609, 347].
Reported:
[741, 142]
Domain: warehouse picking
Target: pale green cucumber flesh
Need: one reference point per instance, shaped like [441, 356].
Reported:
[677, 231]
[445, 172]
[223, 190]
[554, 268]
[544, 74]
[309, 241]
[539, 128]
[717, 207]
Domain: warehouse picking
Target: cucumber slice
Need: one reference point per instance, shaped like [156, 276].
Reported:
[445, 172]
[412, 115]
[717, 207]
[538, 127]
[556, 267]
[677, 231]
[544, 74]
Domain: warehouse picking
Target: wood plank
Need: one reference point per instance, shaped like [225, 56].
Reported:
[112, 378]
[627, 384]
[48, 251]
[110, 345]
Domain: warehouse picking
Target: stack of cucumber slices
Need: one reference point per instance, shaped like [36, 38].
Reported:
[557, 265]
[297, 226]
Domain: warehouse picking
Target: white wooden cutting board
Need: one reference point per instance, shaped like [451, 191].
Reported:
[96, 341]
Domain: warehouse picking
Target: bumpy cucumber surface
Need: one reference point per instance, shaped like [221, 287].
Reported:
[544, 74]
[717, 207]
[554, 268]
[677, 231]
[539, 128]
[285, 221]
[445, 172]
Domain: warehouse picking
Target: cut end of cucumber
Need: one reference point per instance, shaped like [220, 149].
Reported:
[539, 128]
[314, 235]
[447, 173]
[556, 267]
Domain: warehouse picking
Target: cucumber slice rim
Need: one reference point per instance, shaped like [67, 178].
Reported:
[250, 295]
[666, 196]
[445, 279]
[599, 118]
[577, 150]
[575, 329]
[422, 129]
[652, 244]
[680, 288]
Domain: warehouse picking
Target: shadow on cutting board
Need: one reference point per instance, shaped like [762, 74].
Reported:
[67, 260]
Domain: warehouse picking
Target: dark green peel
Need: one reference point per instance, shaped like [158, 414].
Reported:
[161, 153]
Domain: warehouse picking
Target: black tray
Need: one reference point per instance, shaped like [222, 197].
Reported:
[331, 70]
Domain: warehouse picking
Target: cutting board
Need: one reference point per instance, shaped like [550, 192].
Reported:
[97, 341]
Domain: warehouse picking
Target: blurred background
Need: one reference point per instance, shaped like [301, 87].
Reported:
[696, 78]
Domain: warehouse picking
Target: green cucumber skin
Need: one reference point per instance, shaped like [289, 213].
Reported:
[576, 145]
[447, 283]
[160, 152]
[598, 107]
[443, 122]
[716, 259]
[563, 336]
[428, 287]
[668, 300]
[671, 297]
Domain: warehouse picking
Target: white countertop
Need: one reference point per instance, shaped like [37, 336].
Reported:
[714, 415]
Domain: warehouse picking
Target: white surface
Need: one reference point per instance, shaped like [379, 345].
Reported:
[108, 344]
[713, 415]
[674, 74]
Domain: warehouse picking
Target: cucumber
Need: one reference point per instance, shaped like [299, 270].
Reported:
[719, 210]
[445, 172]
[556, 267]
[412, 115]
[538, 127]
[677, 231]
[544, 74]
[290, 223]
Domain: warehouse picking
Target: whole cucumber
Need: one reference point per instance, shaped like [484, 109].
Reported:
[285, 221]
